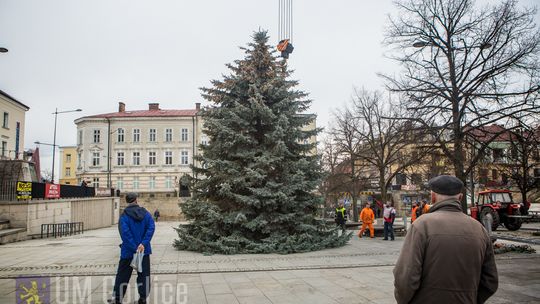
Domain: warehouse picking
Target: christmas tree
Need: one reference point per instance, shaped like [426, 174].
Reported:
[254, 189]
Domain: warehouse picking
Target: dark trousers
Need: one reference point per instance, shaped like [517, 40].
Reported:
[342, 226]
[124, 274]
[388, 229]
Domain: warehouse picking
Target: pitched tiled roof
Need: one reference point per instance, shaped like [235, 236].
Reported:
[146, 113]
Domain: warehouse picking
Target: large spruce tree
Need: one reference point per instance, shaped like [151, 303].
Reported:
[254, 189]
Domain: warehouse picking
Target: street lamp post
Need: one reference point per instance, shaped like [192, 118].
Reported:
[54, 140]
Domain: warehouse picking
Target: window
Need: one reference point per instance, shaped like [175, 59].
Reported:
[96, 136]
[204, 140]
[120, 135]
[184, 157]
[168, 158]
[68, 158]
[95, 182]
[68, 171]
[6, 119]
[136, 158]
[80, 138]
[168, 135]
[136, 182]
[168, 182]
[120, 158]
[120, 183]
[4, 148]
[401, 179]
[152, 135]
[136, 135]
[184, 134]
[79, 159]
[152, 183]
[151, 158]
[95, 159]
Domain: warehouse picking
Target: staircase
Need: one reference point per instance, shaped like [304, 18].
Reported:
[10, 235]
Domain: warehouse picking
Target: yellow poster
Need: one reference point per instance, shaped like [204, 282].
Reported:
[24, 190]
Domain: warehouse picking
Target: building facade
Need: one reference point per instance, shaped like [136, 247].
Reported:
[68, 165]
[142, 151]
[12, 127]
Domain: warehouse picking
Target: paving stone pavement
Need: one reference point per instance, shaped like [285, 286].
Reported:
[81, 270]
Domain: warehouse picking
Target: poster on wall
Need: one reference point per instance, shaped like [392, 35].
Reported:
[52, 191]
[24, 190]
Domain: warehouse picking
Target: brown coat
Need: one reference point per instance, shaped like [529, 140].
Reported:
[447, 257]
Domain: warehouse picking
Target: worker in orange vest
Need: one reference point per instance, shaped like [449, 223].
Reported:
[367, 216]
[413, 211]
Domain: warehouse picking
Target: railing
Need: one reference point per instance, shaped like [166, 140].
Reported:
[62, 229]
[8, 191]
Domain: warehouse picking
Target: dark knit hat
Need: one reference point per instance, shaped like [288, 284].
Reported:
[131, 197]
[446, 185]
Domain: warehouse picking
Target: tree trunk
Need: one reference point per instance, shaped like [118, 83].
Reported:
[354, 192]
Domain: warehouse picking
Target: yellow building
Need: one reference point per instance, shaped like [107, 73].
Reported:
[11, 127]
[68, 162]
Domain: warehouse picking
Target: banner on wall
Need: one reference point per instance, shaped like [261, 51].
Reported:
[24, 190]
[52, 191]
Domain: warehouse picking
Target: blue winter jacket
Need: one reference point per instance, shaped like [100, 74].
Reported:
[136, 227]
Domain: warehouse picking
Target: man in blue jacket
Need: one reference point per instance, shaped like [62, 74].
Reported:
[136, 227]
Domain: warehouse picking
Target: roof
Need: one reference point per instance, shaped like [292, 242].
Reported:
[146, 113]
[496, 133]
[14, 100]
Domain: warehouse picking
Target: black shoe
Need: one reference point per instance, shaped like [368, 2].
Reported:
[113, 301]
[391, 239]
[141, 301]
[385, 239]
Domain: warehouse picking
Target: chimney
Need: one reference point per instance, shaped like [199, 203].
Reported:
[121, 107]
[153, 106]
[197, 105]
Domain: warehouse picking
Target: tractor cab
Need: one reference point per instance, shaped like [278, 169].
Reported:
[499, 204]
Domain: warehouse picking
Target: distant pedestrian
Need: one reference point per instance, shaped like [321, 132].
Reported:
[413, 211]
[156, 215]
[422, 209]
[389, 216]
[447, 256]
[136, 228]
[340, 216]
[367, 216]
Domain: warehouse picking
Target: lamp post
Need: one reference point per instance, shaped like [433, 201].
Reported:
[56, 112]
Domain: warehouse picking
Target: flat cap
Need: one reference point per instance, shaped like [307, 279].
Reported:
[446, 185]
[131, 197]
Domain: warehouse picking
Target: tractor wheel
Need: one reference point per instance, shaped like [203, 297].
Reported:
[513, 224]
[494, 214]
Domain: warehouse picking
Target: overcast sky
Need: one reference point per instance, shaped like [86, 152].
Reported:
[84, 54]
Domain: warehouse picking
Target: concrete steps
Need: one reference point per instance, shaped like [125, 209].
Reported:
[10, 235]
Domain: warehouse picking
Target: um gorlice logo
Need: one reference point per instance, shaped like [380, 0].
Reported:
[34, 290]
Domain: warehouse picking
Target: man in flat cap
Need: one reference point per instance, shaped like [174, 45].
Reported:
[447, 256]
[136, 227]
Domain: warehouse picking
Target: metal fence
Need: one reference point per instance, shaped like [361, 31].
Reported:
[34, 190]
[8, 191]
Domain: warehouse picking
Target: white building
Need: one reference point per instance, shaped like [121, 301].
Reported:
[11, 127]
[142, 151]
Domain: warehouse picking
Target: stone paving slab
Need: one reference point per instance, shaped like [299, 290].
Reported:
[81, 269]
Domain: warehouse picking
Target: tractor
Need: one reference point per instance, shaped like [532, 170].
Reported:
[502, 208]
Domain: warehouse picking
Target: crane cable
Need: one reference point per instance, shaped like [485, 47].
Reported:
[285, 23]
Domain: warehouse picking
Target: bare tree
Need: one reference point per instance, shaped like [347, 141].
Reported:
[46, 175]
[348, 143]
[464, 67]
[389, 143]
[522, 157]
